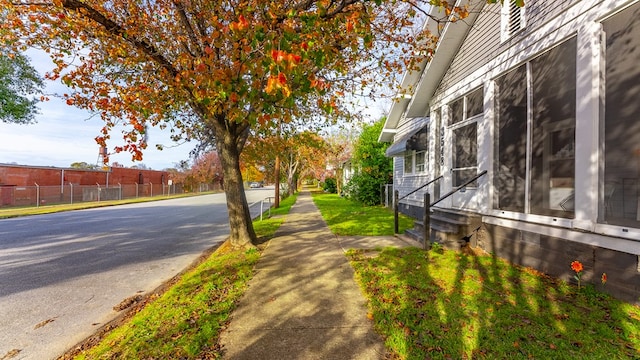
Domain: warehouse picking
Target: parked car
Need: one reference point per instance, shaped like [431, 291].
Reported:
[255, 185]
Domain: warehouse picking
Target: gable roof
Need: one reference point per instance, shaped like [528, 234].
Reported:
[425, 82]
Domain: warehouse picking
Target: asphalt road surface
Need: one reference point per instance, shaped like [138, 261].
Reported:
[61, 274]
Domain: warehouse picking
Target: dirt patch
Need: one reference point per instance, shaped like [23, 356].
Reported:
[128, 302]
[134, 304]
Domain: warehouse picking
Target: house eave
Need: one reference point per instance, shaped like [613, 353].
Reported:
[425, 82]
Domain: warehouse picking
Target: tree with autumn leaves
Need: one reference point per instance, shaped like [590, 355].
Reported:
[229, 67]
[300, 153]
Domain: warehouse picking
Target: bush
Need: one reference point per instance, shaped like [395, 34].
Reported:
[330, 186]
[365, 189]
[373, 168]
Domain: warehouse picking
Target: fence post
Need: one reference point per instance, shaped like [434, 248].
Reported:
[151, 187]
[71, 186]
[37, 195]
[426, 220]
[119, 191]
[98, 192]
[396, 225]
[136, 190]
[261, 203]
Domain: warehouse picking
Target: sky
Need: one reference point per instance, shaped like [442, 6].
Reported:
[64, 134]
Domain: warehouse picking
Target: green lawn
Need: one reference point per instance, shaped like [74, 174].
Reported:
[185, 321]
[346, 217]
[452, 305]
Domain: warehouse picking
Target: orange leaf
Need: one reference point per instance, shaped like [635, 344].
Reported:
[349, 26]
[282, 78]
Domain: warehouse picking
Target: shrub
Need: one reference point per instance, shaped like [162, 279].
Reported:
[330, 185]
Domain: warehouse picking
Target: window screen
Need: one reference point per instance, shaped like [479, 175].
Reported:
[553, 82]
[511, 140]
[456, 109]
[621, 198]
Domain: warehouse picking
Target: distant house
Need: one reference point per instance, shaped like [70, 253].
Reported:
[546, 100]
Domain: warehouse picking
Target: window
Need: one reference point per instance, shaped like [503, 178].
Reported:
[511, 140]
[543, 89]
[415, 162]
[512, 18]
[553, 130]
[620, 201]
[420, 161]
[464, 113]
[456, 111]
[465, 154]
[408, 163]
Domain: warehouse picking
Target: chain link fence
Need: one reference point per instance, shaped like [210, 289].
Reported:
[71, 194]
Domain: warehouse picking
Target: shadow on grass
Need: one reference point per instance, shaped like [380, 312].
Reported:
[461, 306]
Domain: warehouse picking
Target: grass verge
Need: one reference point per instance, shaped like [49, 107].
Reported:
[48, 209]
[346, 217]
[451, 305]
[185, 321]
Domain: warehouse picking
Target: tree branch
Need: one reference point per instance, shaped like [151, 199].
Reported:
[187, 25]
[115, 29]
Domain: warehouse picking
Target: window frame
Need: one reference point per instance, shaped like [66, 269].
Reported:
[465, 121]
[527, 206]
[413, 156]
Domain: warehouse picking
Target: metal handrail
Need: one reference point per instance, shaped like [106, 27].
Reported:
[458, 188]
[421, 187]
[261, 202]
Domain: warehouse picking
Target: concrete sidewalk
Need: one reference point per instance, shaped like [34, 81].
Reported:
[303, 302]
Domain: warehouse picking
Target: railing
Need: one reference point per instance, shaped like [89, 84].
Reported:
[421, 187]
[426, 216]
[261, 202]
[459, 188]
[396, 200]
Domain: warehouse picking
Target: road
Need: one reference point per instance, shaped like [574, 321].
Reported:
[61, 274]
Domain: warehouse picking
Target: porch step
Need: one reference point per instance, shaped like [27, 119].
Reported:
[461, 216]
[451, 227]
[439, 225]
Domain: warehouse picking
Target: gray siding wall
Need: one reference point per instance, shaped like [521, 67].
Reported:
[480, 46]
[483, 43]
[538, 12]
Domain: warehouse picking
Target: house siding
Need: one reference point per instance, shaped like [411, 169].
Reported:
[407, 183]
[538, 12]
[480, 46]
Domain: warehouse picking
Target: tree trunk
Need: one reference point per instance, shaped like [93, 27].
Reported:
[229, 147]
[291, 173]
